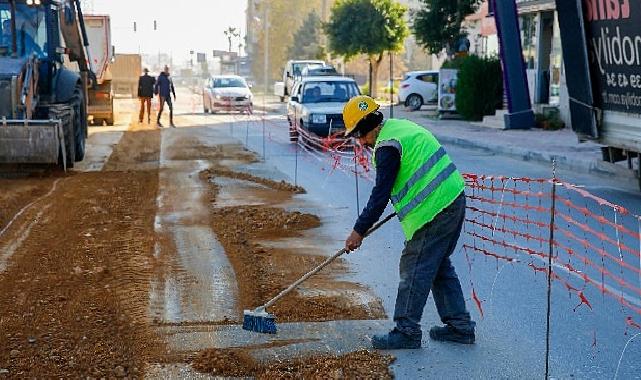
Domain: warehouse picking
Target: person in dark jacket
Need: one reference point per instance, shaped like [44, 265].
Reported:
[164, 89]
[145, 93]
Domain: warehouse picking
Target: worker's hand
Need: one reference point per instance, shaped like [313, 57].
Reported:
[354, 240]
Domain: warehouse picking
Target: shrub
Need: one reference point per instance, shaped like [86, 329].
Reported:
[479, 89]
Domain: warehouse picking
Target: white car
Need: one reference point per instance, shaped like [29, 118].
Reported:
[418, 88]
[316, 105]
[227, 93]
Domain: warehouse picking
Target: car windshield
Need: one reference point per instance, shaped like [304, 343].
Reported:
[329, 91]
[31, 31]
[229, 82]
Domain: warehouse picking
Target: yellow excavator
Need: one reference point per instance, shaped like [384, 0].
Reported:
[43, 103]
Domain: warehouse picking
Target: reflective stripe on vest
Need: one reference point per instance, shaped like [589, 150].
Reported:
[427, 191]
[427, 166]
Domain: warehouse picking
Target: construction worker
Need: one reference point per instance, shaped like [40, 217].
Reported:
[145, 93]
[416, 174]
[164, 88]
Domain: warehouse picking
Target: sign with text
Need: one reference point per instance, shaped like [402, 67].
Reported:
[447, 90]
[614, 40]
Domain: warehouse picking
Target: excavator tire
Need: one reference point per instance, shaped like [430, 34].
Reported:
[80, 124]
[65, 113]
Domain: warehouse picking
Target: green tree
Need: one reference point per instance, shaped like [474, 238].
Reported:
[369, 27]
[437, 25]
[230, 33]
[284, 16]
[307, 39]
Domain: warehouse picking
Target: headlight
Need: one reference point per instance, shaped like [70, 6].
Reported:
[218, 97]
[319, 118]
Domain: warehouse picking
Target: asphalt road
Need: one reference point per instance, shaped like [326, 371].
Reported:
[585, 343]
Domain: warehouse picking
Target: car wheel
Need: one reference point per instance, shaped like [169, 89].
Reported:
[414, 102]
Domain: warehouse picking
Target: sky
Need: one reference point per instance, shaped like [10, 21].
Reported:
[183, 25]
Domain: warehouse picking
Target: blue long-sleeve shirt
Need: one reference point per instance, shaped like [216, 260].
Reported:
[164, 86]
[388, 162]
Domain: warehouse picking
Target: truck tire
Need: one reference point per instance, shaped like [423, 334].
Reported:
[65, 113]
[80, 123]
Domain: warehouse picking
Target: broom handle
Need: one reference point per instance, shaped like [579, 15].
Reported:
[324, 264]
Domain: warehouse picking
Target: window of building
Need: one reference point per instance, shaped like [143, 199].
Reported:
[529, 38]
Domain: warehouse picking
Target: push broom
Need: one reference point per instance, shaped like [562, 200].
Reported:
[259, 320]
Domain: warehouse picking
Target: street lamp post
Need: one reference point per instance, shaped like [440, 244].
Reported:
[266, 66]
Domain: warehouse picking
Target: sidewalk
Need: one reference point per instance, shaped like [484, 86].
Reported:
[528, 145]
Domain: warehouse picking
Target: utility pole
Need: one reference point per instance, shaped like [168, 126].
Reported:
[266, 66]
[266, 45]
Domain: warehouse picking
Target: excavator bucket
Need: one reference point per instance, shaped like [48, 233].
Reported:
[31, 142]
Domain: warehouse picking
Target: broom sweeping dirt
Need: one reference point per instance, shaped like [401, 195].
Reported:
[259, 320]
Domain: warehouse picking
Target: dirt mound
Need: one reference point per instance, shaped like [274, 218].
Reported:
[139, 149]
[282, 185]
[263, 272]
[361, 364]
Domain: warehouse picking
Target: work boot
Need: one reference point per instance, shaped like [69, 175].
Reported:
[396, 340]
[450, 334]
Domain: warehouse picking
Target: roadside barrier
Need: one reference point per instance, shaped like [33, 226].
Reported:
[586, 244]
[593, 246]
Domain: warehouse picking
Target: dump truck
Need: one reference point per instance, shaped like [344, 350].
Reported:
[601, 43]
[43, 103]
[101, 103]
[125, 72]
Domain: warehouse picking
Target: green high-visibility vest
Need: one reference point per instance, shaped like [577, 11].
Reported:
[427, 180]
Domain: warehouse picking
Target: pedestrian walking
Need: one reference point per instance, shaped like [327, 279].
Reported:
[145, 93]
[164, 89]
[427, 191]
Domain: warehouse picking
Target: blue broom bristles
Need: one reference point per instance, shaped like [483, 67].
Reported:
[259, 321]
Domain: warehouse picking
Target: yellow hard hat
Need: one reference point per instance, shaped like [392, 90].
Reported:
[356, 109]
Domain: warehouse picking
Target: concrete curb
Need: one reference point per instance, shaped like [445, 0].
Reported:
[600, 168]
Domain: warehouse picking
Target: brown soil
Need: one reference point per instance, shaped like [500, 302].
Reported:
[74, 296]
[139, 149]
[282, 185]
[263, 272]
[238, 362]
[18, 193]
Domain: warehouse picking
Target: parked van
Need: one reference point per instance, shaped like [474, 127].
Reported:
[294, 69]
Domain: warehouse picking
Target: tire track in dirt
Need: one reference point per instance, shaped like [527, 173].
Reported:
[74, 295]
